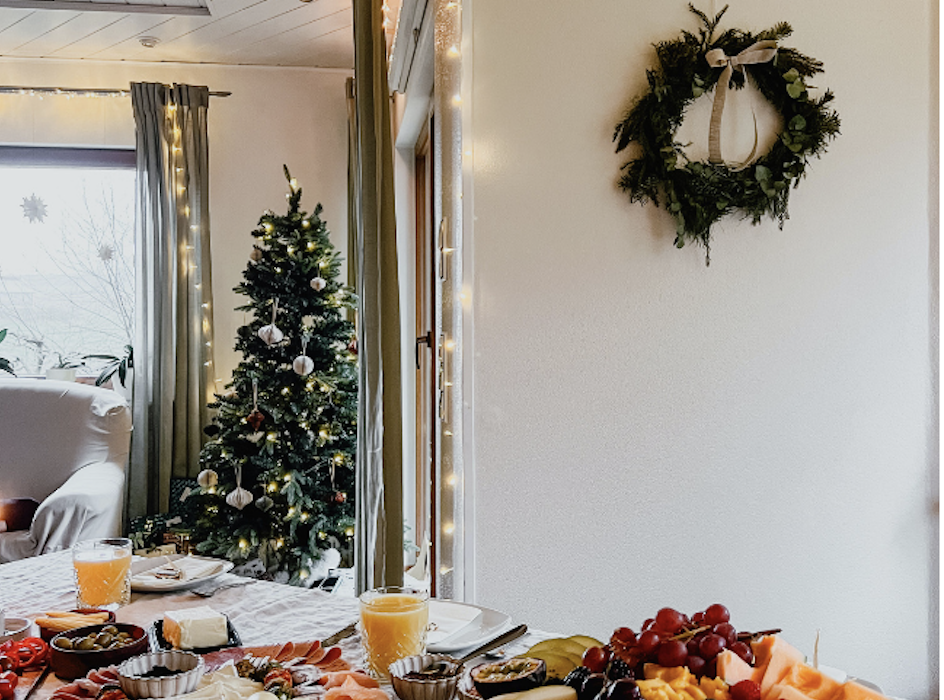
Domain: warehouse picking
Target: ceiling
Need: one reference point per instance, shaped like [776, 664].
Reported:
[317, 34]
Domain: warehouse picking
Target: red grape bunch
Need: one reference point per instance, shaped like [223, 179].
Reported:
[674, 639]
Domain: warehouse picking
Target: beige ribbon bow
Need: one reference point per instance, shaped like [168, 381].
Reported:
[758, 52]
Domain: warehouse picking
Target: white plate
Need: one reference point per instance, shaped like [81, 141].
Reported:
[152, 585]
[489, 624]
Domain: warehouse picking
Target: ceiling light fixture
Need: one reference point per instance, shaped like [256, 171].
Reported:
[148, 42]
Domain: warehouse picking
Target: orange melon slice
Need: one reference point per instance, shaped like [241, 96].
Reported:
[732, 668]
[810, 681]
[851, 690]
[776, 657]
[785, 692]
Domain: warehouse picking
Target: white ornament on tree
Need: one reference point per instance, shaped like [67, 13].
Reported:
[319, 283]
[239, 497]
[271, 334]
[208, 478]
[303, 365]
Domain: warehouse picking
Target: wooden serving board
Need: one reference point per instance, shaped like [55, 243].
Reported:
[29, 681]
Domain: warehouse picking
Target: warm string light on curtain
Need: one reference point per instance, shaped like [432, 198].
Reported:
[449, 521]
[189, 251]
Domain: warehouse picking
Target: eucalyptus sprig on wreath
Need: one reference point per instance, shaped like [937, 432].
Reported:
[698, 194]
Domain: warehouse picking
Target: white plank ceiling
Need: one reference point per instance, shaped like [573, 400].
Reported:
[229, 32]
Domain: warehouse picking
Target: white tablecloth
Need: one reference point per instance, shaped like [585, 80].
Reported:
[262, 612]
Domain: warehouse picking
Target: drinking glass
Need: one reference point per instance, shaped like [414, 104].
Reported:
[102, 572]
[393, 625]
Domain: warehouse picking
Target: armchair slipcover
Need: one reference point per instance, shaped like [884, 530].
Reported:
[65, 445]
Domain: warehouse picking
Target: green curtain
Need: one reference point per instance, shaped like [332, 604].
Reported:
[173, 380]
[379, 530]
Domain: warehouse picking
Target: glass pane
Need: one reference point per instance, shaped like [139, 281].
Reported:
[67, 264]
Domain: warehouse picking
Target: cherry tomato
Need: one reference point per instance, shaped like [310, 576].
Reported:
[6, 663]
[8, 681]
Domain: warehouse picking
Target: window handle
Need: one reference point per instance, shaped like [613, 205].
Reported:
[423, 339]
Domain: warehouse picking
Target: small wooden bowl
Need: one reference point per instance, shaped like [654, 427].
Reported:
[75, 663]
[47, 634]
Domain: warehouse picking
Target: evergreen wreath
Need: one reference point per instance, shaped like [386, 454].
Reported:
[698, 194]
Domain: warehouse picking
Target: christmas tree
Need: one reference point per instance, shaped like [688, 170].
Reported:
[278, 471]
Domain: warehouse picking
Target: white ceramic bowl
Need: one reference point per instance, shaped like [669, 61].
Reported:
[16, 628]
[442, 688]
[188, 667]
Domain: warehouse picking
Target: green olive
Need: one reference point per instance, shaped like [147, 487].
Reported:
[64, 643]
[111, 629]
[104, 638]
[85, 643]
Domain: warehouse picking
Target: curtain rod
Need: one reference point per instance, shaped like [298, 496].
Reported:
[76, 92]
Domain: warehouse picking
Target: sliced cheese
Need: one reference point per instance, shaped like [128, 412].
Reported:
[195, 628]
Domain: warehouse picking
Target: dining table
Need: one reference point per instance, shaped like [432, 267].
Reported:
[262, 612]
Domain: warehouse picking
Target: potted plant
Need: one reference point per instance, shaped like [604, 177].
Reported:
[64, 368]
[123, 365]
[5, 364]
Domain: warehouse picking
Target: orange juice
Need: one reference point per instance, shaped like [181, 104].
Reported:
[102, 572]
[393, 626]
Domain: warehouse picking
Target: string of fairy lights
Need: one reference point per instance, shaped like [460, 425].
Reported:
[449, 109]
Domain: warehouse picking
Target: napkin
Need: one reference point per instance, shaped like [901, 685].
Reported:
[190, 568]
[448, 620]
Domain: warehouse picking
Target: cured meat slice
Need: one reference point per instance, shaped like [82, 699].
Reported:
[216, 659]
[352, 690]
[334, 679]
[330, 655]
[336, 665]
[302, 649]
[286, 652]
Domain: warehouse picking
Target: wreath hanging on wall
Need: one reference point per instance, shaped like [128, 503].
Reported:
[698, 194]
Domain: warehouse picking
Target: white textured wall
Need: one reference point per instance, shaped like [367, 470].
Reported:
[274, 116]
[650, 432]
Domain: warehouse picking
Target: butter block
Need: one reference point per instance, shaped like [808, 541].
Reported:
[195, 628]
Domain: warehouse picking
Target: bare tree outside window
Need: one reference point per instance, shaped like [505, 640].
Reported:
[66, 264]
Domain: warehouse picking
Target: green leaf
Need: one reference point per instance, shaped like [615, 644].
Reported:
[795, 89]
[761, 173]
[3, 334]
[791, 75]
[721, 204]
[798, 123]
[795, 147]
[697, 91]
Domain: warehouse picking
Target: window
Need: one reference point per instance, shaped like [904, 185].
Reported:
[66, 255]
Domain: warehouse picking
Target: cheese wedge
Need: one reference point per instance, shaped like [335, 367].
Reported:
[195, 628]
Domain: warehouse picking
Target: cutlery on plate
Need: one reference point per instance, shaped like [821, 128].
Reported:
[339, 635]
[499, 641]
[207, 591]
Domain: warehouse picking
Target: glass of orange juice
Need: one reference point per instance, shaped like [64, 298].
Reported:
[102, 572]
[393, 625]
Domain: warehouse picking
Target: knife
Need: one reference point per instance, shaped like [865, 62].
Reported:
[339, 635]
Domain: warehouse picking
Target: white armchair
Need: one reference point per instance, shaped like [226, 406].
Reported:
[65, 445]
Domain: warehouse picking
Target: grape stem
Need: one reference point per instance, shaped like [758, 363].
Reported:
[689, 633]
[744, 636]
